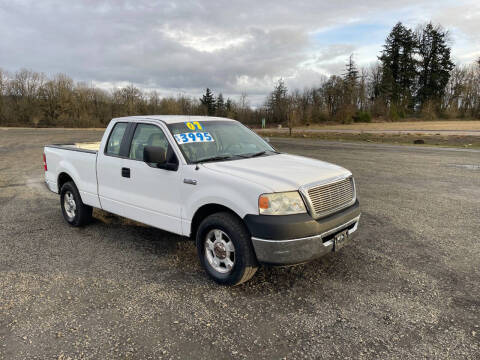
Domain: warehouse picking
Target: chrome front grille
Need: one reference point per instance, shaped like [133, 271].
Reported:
[326, 198]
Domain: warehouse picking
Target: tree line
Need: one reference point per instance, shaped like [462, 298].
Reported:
[413, 77]
[29, 98]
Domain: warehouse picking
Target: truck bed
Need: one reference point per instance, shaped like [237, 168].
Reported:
[78, 160]
[91, 147]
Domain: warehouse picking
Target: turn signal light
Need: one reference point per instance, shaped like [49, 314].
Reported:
[263, 202]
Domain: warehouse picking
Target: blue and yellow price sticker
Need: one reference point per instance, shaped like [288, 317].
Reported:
[194, 125]
[191, 137]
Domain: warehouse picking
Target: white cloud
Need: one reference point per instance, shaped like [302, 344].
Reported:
[206, 43]
[230, 46]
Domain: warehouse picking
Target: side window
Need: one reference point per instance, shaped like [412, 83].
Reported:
[115, 139]
[146, 135]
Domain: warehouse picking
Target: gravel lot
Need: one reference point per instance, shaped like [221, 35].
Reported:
[408, 287]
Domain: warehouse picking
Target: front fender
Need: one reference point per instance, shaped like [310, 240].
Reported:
[212, 187]
[240, 204]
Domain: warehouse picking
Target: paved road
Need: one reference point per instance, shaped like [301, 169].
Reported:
[391, 132]
[408, 287]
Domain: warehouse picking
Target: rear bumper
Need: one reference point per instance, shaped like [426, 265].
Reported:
[299, 238]
[52, 186]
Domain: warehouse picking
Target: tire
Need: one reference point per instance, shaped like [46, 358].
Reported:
[74, 211]
[214, 239]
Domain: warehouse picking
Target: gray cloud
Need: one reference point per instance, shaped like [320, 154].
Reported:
[231, 46]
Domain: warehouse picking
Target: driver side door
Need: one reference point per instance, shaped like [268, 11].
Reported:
[152, 194]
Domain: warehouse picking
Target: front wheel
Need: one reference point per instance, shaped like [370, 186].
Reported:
[225, 249]
[75, 212]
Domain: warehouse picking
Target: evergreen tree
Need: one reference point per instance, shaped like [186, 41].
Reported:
[208, 101]
[399, 68]
[229, 105]
[351, 72]
[434, 66]
[350, 82]
[220, 105]
[277, 103]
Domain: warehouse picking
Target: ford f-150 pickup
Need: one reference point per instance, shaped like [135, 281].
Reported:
[211, 179]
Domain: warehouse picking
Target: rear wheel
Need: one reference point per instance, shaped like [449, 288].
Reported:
[75, 212]
[225, 249]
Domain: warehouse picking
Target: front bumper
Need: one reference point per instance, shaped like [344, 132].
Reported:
[294, 239]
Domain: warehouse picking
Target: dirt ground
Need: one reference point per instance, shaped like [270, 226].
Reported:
[459, 141]
[407, 287]
[463, 125]
[431, 133]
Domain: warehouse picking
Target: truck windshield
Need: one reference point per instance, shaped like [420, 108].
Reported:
[204, 141]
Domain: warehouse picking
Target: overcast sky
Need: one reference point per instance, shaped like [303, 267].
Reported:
[229, 46]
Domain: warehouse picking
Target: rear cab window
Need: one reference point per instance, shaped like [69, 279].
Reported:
[115, 139]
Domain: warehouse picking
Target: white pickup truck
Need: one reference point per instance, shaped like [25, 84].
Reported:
[211, 179]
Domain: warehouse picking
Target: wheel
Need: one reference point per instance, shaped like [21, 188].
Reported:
[75, 212]
[225, 249]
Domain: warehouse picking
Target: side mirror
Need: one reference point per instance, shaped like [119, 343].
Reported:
[156, 156]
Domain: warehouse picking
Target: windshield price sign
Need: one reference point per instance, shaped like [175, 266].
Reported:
[194, 125]
[192, 137]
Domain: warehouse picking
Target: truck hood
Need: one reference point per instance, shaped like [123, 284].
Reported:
[282, 172]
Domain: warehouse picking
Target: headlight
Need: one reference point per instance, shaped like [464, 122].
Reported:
[285, 203]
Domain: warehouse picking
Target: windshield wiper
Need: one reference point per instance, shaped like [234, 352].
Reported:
[260, 153]
[214, 158]
[230, 157]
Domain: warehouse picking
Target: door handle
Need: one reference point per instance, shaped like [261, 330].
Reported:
[126, 172]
